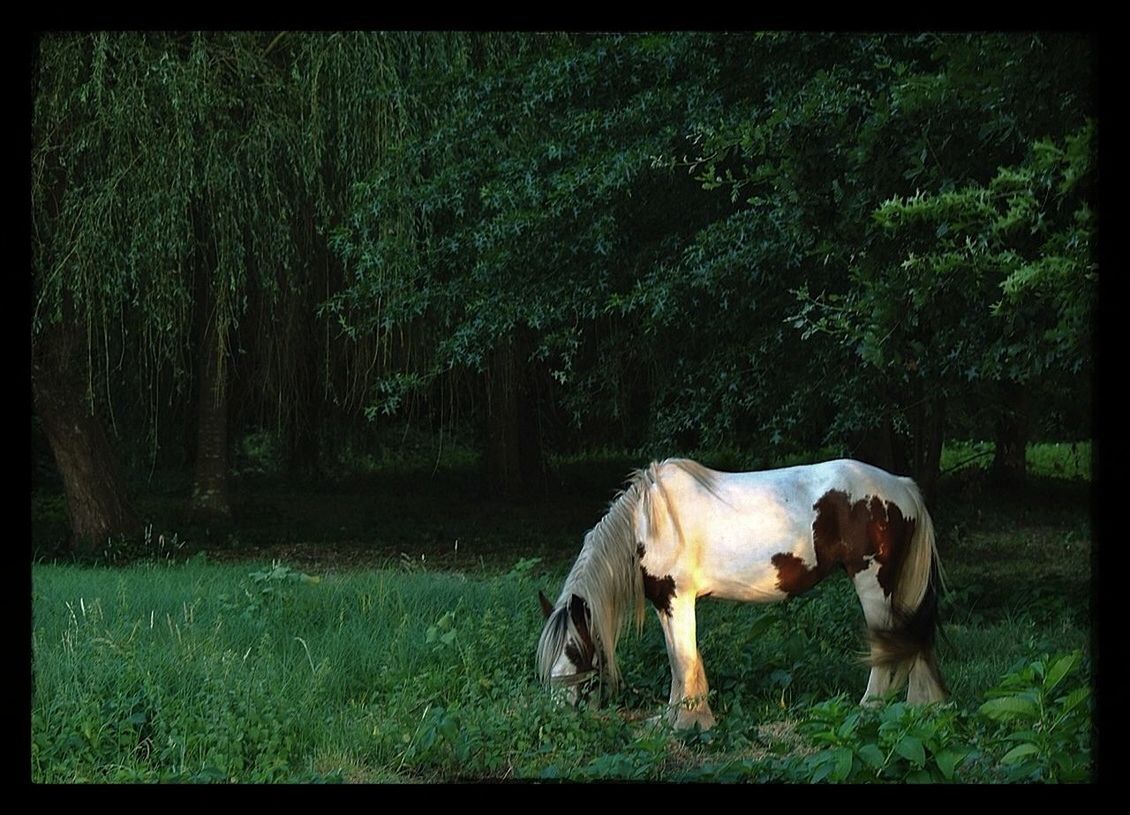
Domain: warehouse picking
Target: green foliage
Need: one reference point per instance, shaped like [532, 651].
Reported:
[267, 588]
[895, 743]
[521, 234]
[1043, 721]
[690, 220]
[189, 178]
[1016, 255]
[1014, 736]
[761, 241]
[908, 332]
[147, 149]
[150, 674]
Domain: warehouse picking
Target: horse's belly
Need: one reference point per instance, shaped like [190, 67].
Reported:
[759, 588]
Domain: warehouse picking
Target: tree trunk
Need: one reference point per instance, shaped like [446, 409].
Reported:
[210, 491]
[878, 446]
[303, 452]
[1010, 464]
[929, 434]
[301, 436]
[514, 461]
[97, 506]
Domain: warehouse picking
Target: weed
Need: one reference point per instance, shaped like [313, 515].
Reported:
[1043, 721]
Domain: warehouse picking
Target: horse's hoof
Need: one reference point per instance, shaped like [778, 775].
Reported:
[703, 719]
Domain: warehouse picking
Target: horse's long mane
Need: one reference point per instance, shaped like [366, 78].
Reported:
[607, 575]
[607, 571]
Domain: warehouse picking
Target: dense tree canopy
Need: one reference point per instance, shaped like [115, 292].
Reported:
[708, 233]
[763, 242]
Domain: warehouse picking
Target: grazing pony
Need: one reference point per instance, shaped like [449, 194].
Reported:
[679, 531]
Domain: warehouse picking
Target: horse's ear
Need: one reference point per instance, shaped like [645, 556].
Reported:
[579, 611]
[546, 606]
[580, 614]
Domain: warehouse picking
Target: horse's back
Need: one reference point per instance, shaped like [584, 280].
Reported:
[746, 491]
[733, 525]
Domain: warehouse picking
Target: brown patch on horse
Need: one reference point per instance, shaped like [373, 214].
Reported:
[890, 535]
[546, 606]
[793, 577]
[659, 590]
[581, 661]
[849, 534]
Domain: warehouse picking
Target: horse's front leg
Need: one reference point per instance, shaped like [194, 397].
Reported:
[688, 702]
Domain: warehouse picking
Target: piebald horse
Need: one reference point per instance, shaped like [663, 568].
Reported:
[679, 531]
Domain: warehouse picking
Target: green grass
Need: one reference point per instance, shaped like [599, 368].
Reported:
[1061, 460]
[420, 667]
[206, 672]
[201, 671]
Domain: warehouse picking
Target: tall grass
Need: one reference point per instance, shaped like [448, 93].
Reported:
[201, 672]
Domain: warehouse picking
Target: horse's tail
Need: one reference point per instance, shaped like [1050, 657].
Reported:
[906, 646]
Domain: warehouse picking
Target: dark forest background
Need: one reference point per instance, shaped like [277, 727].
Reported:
[296, 248]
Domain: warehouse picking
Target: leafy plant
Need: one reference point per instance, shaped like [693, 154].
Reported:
[268, 586]
[915, 744]
[1043, 721]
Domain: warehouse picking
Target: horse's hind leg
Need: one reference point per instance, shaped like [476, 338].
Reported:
[688, 703]
[926, 683]
[877, 612]
[898, 656]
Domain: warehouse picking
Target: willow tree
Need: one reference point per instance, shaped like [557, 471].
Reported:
[180, 183]
[167, 172]
[161, 186]
[355, 98]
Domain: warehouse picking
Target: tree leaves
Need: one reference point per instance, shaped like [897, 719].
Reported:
[701, 225]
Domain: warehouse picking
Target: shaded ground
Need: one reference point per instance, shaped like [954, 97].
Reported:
[447, 520]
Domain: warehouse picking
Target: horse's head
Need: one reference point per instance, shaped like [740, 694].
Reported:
[568, 659]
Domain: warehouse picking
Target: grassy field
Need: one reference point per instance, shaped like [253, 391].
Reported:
[394, 655]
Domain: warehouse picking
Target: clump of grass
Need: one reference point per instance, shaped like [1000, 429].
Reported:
[1071, 461]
